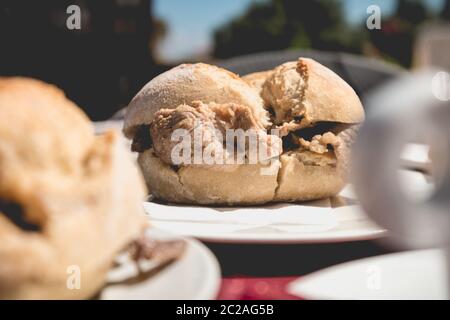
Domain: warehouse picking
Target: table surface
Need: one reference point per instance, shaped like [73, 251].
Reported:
[257, 272]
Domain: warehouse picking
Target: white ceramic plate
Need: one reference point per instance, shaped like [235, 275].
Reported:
[196, 275]
[346, 230]
[407, 275]
[337, 219]
[314, 222]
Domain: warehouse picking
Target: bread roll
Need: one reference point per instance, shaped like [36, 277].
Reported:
[70, 201]
[315, 111]
[309, 90]
[187, 83]
[257, 79]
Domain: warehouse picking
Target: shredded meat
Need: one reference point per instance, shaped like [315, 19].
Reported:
[183, 117]
[320, 143]
[287, 127]
[333, 146]
[145, 248]
[215, 120]
[234, 116]
[322, 138]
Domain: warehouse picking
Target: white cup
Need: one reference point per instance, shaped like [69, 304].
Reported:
[396, 113]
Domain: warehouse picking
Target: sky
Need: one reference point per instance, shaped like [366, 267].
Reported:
[191, 22]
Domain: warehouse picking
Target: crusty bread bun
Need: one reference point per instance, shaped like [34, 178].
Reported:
[237, 184]
[242, 184]
[257, 79]
[307, 89]
[315, 111]
[187, 83]
[69, 200]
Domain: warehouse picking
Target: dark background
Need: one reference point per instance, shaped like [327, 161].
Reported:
[105, 63]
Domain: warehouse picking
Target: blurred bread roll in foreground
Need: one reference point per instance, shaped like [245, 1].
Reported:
[69, 200]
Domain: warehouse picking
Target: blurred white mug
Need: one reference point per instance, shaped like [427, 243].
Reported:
[398, 113]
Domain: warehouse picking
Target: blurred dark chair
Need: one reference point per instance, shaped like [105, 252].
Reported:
[363, 74]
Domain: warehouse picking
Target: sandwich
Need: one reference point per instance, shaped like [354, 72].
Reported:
[302, 116]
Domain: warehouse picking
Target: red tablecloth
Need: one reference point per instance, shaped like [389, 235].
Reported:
[245, 288]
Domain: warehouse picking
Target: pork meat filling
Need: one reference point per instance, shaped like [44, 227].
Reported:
[324, 138]
[212, 122]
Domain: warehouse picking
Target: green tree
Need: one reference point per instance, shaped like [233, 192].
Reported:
[280, 24]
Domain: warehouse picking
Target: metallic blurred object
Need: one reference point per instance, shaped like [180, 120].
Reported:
[401, 111]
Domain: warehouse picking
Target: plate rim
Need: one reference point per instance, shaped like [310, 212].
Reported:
[286, 238]
[335, 236]
[307, 293]
[210, 289]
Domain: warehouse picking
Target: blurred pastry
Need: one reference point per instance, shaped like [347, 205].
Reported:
[69, 200]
